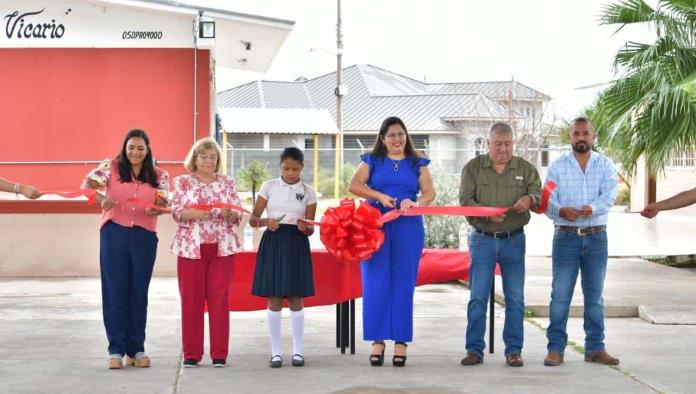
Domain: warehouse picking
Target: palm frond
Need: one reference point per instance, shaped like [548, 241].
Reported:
[627, 12]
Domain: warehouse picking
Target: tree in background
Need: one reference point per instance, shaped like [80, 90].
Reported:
[252, 176]
[650, 108]
[326, 181]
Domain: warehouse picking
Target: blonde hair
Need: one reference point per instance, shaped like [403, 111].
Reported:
[199, 147]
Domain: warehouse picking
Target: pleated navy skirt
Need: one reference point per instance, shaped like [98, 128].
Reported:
[283, 264]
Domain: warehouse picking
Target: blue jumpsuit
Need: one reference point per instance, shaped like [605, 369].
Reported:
[389, 276]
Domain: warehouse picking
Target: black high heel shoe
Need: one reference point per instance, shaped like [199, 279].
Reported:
[399, 361]
[376, 360]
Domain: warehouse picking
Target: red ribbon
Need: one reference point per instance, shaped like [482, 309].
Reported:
[92, 197]
[442, 210]
[89, 193]
[355, 234]
[222, 205]
[200, 207]
[549, 187]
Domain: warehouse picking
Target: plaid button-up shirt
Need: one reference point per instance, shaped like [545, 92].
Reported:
[595, 187]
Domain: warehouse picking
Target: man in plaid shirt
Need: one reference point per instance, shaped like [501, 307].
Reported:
[586, 189]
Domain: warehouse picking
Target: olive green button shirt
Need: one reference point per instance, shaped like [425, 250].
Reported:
[481, 185]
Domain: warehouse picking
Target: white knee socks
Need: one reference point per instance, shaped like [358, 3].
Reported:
[297, 318]
[274, 331]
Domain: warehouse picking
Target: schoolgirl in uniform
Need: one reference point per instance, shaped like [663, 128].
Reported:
[284, 261]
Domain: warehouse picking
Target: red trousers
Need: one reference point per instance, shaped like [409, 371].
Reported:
[205, 280]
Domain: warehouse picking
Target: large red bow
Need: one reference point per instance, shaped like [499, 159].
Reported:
[352, 234]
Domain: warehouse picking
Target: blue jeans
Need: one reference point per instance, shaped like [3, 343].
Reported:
[485, 251]
[573, 253]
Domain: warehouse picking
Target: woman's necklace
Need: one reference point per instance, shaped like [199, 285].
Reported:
[396, 163]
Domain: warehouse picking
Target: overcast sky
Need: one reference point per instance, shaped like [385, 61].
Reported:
[554, 46]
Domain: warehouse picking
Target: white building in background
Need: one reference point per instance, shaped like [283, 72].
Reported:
[450, 121]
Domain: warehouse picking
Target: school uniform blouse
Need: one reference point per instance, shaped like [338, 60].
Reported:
[188, 190]
[124, 213]
[286, 199]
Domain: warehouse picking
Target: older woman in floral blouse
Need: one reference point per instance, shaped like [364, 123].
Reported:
[204, 244]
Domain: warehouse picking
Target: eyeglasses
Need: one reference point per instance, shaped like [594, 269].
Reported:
[207, 157]
[395, 136]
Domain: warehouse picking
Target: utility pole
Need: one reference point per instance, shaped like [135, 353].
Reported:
[339, 103]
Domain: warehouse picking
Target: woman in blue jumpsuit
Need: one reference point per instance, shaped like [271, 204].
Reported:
[390, 178]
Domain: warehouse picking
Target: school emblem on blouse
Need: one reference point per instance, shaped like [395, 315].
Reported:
[299, 196]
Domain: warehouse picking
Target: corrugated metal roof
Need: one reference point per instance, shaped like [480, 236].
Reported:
[423, 112]
[495, 90]
[385, 83]
[244, 96]
[375, 93]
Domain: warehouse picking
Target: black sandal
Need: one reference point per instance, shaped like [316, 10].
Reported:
[376, 360]
[399, 361]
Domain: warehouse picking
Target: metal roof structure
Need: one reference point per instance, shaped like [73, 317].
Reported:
[375, 94]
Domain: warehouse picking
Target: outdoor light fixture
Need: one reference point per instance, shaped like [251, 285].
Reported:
[206, 29]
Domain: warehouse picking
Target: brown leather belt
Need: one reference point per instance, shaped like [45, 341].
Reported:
[501, 234]
[582, 231]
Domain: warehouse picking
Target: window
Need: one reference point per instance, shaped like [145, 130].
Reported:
[479, 146]
[420, 141]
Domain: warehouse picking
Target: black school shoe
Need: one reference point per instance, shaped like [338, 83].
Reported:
[190, 363]
[275, 361]
[219, 363]
[297, 360]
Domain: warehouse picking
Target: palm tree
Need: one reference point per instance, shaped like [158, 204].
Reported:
[650, 108]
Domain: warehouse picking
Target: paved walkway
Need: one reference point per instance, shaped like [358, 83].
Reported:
[53, 341]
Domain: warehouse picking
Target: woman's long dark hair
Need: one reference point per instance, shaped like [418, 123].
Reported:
[380, 148]
[148, 174]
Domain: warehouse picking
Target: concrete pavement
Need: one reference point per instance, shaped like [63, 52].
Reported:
[53, 341]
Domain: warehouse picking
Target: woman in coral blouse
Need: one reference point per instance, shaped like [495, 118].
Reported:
[128, 243]
[204, 244]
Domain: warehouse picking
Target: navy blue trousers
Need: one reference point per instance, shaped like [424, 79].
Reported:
[126, 258]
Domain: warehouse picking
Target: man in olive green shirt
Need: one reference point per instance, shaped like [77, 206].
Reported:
[498, 179]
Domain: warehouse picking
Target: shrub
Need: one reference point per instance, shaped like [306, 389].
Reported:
[442, 231]
[326, 181]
